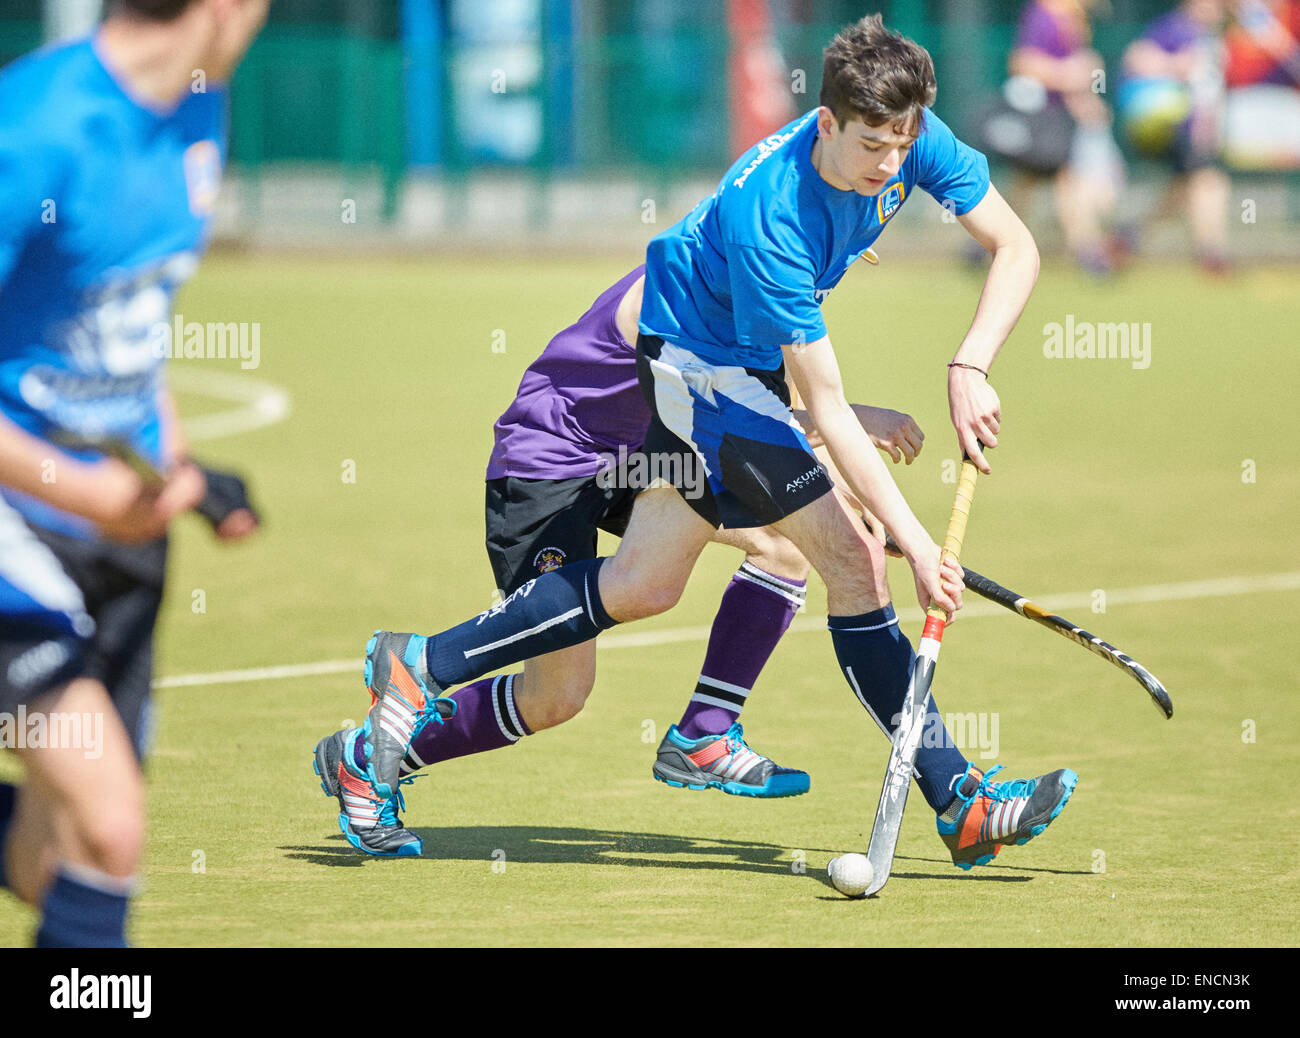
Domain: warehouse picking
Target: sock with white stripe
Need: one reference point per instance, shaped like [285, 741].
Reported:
[756, 611]
[486, 719]
[557, 610]
[85, 908]
[877, 659]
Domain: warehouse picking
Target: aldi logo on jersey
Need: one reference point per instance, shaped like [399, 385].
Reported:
[888, 201]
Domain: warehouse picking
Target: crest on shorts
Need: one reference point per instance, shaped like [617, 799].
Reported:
[548, 559]
[888, 201]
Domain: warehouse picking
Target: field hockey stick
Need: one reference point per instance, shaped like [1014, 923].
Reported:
[119, 448]
[226, 491]
[995, 592]
[907, 736]
[1020, 605]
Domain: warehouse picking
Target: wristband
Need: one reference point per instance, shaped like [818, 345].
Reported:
[958, 364]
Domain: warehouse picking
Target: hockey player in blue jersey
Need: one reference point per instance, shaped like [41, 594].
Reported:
[111, 152]
[732, 300]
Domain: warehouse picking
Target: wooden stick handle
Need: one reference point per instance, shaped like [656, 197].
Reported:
[957, 523]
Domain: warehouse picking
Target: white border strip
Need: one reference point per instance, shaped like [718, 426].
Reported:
[1146, 593]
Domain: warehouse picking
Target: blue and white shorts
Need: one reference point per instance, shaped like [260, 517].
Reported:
[727, 436]
[46, 629]
[78, 608]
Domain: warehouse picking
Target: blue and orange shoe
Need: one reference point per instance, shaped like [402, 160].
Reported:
[986, 815]
[369, 822]
[724, 762]
[400, 705]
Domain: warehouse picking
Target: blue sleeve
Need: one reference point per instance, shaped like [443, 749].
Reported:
[25, 184]
[773, 297]
[949, 170]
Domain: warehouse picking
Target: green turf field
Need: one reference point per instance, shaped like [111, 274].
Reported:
[1109, 478]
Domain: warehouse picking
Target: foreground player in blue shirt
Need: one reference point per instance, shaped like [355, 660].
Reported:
[731, 298]
[110, 158]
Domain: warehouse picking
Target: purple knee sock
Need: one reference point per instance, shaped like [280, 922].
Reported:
[756, 611]
[486, 718]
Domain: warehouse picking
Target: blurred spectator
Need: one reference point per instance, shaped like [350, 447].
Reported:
[1171, 105]
[1052, 48]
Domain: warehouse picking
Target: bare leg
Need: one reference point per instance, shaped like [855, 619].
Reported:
[92, 807]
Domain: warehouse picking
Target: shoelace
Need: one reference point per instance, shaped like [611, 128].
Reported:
[735, 737]
[395, 803]
[433, 711]
[1002, 790]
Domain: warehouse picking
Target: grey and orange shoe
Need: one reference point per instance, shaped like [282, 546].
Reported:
[724, 762]
[369, 822]
[400, 705]
[985, 816]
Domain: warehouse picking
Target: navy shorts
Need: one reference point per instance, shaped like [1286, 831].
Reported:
[728, 437]
[74, 608]
[537, 525]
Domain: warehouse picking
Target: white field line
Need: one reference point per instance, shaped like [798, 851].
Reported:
[260, 403]
[975, 608]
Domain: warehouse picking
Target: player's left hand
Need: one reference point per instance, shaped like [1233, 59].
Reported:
[976, 413]
[226, 505]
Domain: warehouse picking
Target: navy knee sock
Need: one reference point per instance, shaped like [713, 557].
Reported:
[557, 610]
[84, 908]
[877, 658]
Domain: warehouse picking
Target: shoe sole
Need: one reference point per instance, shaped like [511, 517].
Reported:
[316, 765]
[1069, 780]
[346, 829]
[773, 789]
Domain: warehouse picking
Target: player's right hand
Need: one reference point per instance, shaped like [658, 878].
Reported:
[937, 583]
[128, 511]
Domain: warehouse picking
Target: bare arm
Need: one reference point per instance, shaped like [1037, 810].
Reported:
[107, 492]
[816, 373]
[974, 406]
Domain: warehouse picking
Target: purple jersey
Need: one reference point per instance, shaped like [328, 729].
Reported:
[1175, 31]
[578, 401]
[1040, 29]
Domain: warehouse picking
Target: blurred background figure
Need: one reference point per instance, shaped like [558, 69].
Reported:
[1262, 120]
[1053, 52]
[1171, 107]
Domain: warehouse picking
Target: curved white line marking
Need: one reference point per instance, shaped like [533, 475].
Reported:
[1146, 593]
[261, 403]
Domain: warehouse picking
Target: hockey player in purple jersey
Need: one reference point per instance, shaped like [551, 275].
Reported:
[567, 462]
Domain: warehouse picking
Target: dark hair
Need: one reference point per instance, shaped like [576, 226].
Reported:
[877, 74]
[157, 10]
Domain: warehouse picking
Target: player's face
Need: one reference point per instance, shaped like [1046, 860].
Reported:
[861, 158]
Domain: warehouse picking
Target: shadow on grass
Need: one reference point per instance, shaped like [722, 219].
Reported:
[572, 846]
[553, 845]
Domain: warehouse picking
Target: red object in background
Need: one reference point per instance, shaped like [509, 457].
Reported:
[1248, 61]
[760, 92]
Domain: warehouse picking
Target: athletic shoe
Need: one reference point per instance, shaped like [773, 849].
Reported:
[400, 704]
[724, 762]
[986, 815]
[369, 822]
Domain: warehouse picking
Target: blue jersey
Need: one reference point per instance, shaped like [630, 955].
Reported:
[746, 272]
[104, 208]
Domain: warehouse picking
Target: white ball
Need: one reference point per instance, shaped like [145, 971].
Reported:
[850, 874]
